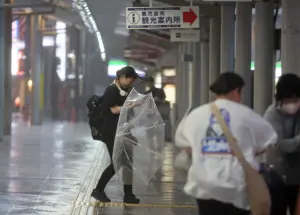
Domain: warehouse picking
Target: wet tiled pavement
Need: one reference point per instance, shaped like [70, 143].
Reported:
[51, 169]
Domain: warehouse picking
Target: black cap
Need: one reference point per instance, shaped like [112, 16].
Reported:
[288, 86]
[128, 72]
[227, 82]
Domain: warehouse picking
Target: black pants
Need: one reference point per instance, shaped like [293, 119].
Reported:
[213, 207]
[110, 171]
[284, 197]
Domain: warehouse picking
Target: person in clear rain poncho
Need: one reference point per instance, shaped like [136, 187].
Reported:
[113, 100]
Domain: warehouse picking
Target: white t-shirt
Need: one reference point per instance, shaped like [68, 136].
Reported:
[215, 173]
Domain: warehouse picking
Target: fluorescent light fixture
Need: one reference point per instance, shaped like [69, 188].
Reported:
[89, 20]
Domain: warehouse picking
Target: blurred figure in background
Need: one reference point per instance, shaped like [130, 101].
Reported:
[17, 103]
[157, 93]
[160, 101]
[63, 98]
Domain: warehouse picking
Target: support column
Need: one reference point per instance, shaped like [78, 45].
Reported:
[7, 81]
[49, 70]
[89, 57]
[2, 65]
[227, 37]
[290, 37]
[178, 84]
[83, 84]
[264, 56]
[204, 80]
[36, 68]
[27, 66]
[190, 74]
[243, 47]
[197, 75]
[185, 79]
[77, 72]
[214, 52]
[193, 75]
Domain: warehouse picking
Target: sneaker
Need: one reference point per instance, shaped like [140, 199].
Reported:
[131, 199]
[100, 196]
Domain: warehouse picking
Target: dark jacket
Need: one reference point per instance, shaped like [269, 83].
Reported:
[157, 93]
[111, 98]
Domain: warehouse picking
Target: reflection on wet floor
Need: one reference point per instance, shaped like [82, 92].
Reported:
[52, 169]
[42, 168]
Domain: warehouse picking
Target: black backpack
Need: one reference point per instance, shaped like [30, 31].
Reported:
[96, 117]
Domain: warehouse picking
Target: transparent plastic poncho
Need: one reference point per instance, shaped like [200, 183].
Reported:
[140, 140]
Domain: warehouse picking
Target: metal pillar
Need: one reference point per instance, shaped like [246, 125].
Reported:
[2, 66]
[243, 47]
[184, 105]
[193, 75]
[88, 59]
[214, 52]
[196, 75]
[27, 64]
[290, 37]
[227, 37]
[264, 56]
[8, 81]
[83, 48]
[36, 68]
[190, 74]
[178, 81]
[204, 80]
[50, 72]
[77, 72]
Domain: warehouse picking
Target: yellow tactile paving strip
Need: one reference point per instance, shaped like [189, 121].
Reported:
[84, 204]
[120, 204]
[88, 184]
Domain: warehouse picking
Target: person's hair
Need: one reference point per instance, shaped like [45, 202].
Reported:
[227, 82]
[288, 86]
[127, 72]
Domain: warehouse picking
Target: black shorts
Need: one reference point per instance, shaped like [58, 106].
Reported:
[213, 207]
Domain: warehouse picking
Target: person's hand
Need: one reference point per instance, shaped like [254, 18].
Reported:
[115, 110]
[133, 104]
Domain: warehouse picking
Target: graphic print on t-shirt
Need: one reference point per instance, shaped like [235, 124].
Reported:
[215, 141]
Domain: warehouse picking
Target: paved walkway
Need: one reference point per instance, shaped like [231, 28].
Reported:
[51, 169]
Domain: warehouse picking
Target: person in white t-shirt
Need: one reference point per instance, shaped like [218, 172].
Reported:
[216, 178]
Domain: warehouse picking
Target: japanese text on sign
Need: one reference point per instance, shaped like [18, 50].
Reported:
[162, 17]
[158, 17]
